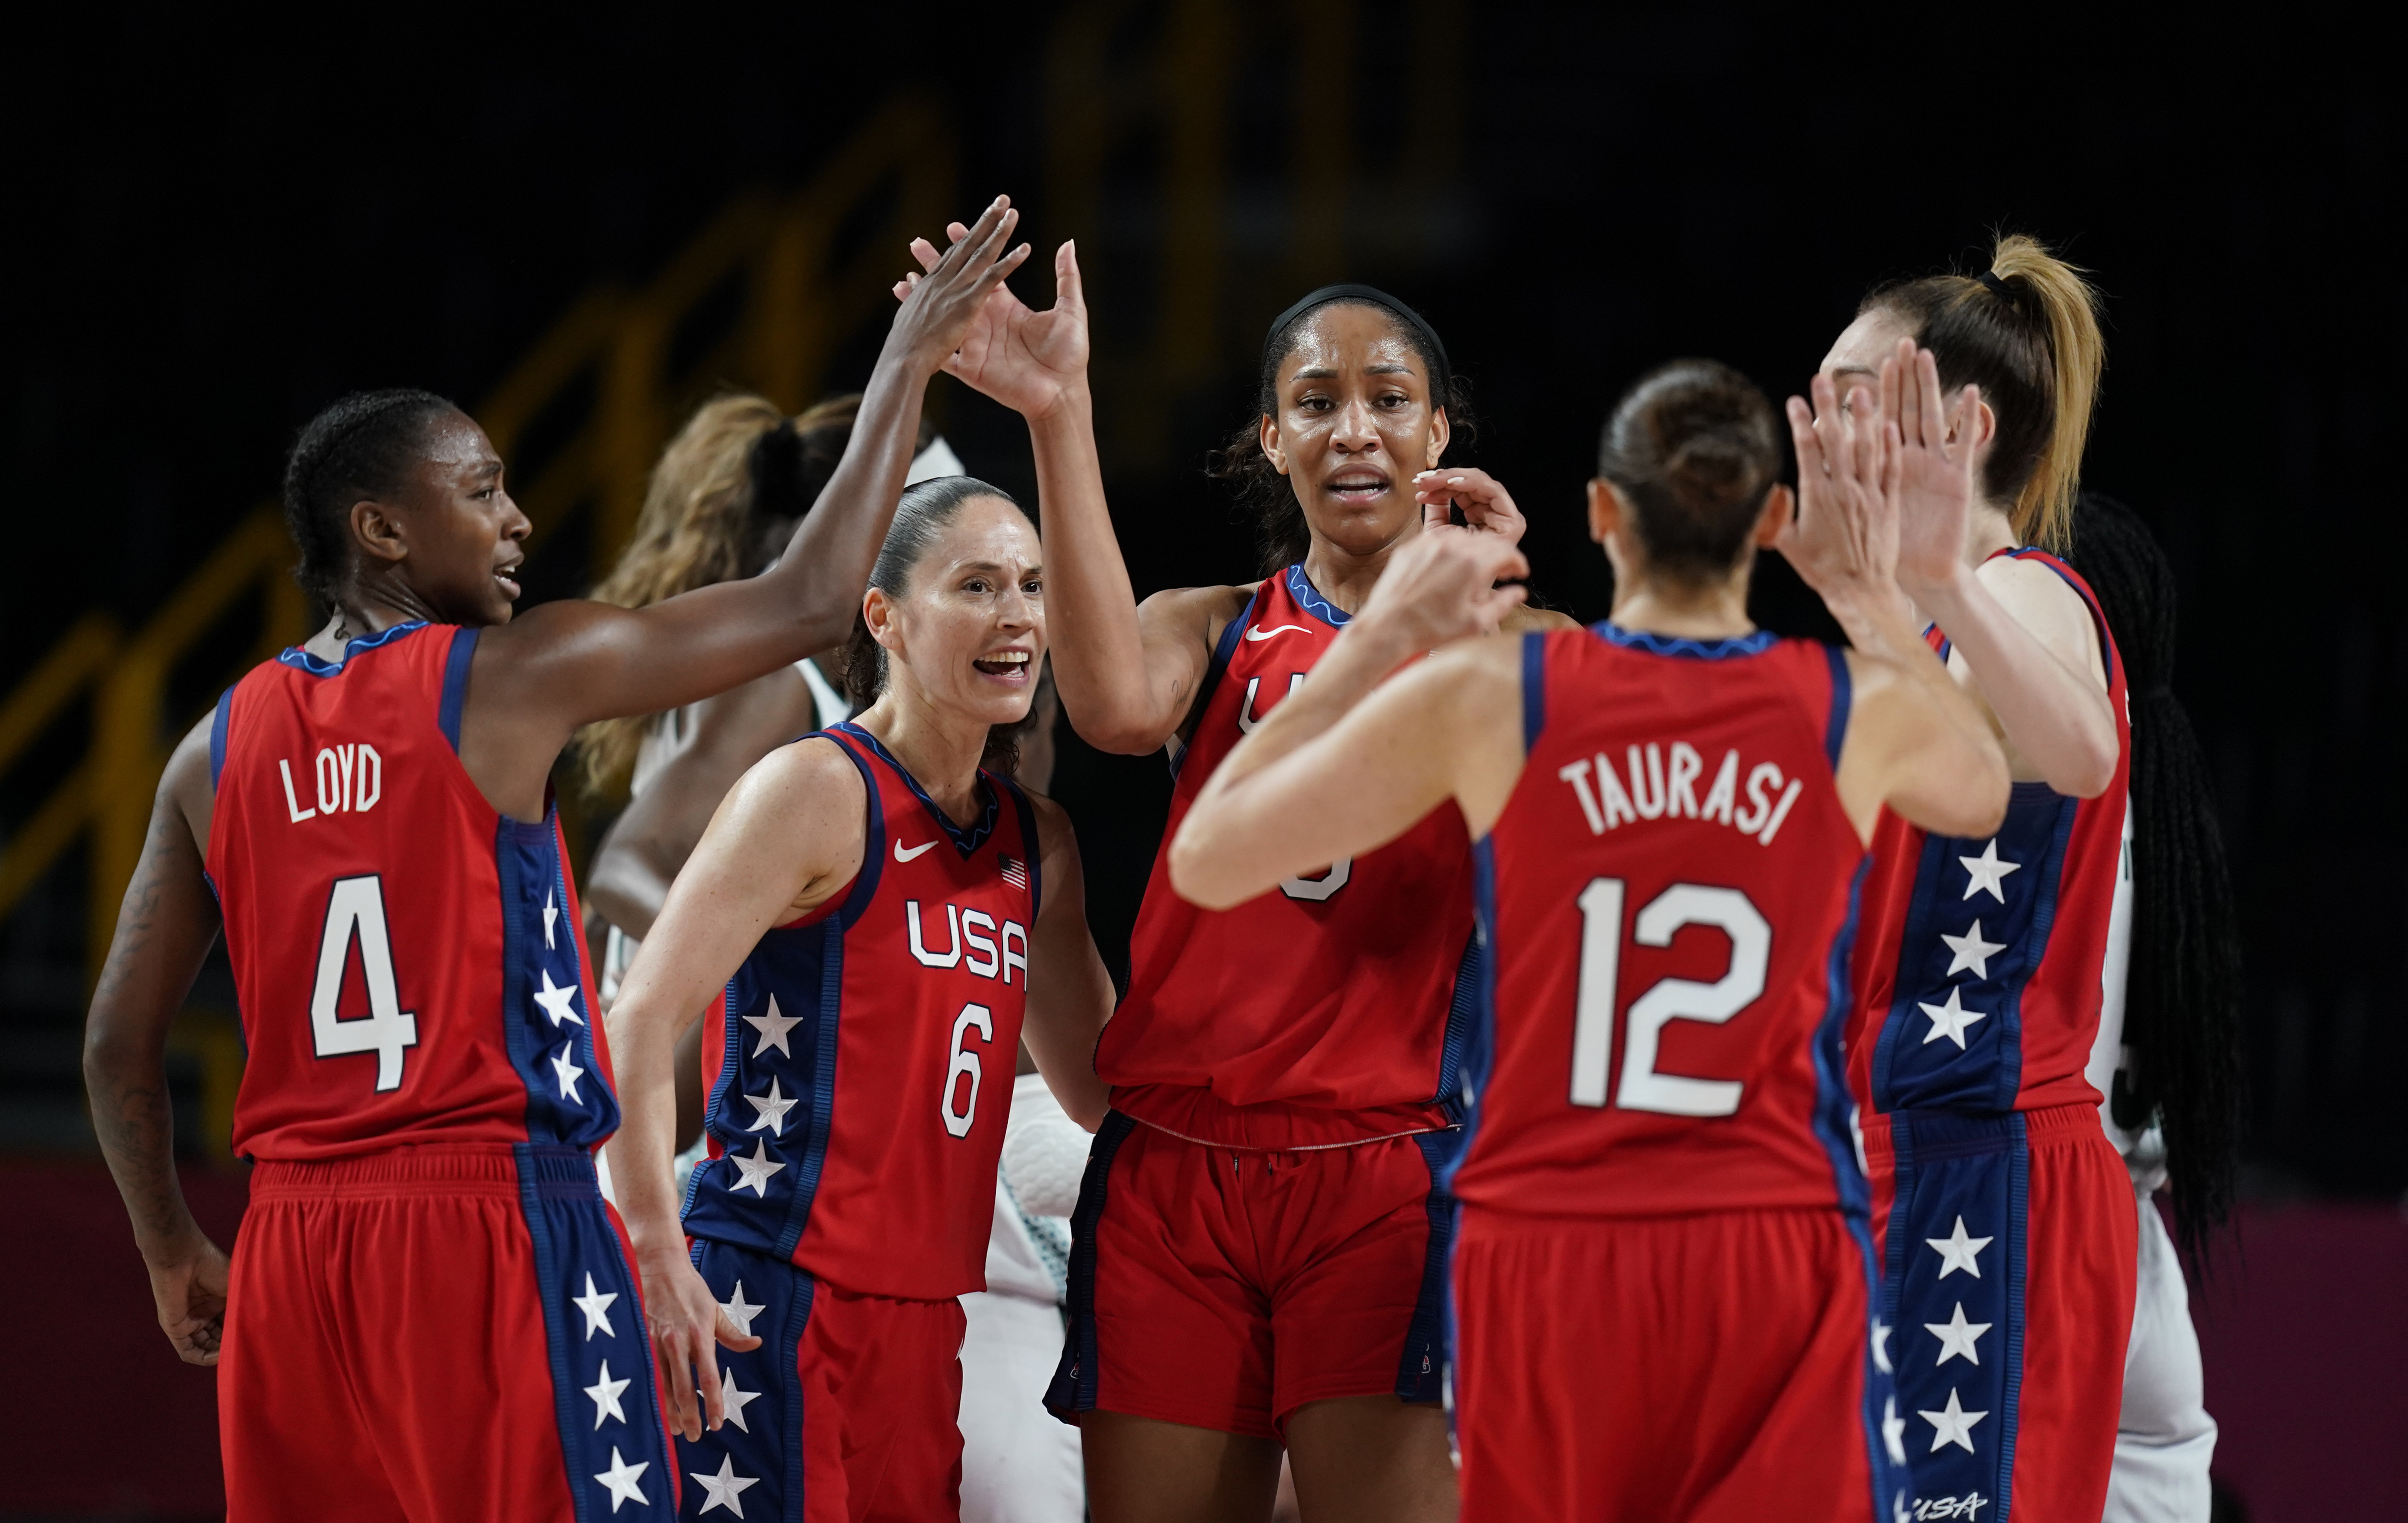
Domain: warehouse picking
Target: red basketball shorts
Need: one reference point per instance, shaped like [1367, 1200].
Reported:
[1671, 1369]
[438, 1333]
[2010, 1251]
[848, 1411]
[1225, 1289]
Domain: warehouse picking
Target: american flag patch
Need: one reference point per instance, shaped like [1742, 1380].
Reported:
[1015, 872]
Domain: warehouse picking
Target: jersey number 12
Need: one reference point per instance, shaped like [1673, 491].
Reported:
[355, 912]
[1671, 999]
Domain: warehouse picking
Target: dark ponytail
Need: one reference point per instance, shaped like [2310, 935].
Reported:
[2182, 1000]
[1279, 513]
[920, 516]
[1693, 448]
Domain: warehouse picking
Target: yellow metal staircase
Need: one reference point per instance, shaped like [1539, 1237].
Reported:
[801, 296]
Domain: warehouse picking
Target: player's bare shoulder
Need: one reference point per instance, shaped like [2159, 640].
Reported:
[1203, 612]
[1526, 618]
[803, 805]
[2047, 604]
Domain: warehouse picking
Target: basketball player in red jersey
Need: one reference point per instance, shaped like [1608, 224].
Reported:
[1664, 1272]
[2009, 1242]
[868, 917]
[429, 1314]
[1261, 1240]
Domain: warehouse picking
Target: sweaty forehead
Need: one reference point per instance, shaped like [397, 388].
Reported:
[988, 530]
[1345, 336]
[453, 442]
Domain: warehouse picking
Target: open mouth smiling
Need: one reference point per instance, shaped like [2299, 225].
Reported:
[1004, 665]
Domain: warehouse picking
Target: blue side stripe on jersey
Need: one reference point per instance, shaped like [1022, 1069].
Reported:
[1835, 733]
[301, 660]
[1534, 689]
[1223, 651]
[1073, 1389]
[568, 1102]
[1462, 1015]
[455, 686]
[1031, 847]
[218, 736]
[1682, 645]
[1835, 1127]
[1480, 1050]
[766, 1449]
[1421, 1374]
[965, 841]
[577, 1250]
[1309, 598]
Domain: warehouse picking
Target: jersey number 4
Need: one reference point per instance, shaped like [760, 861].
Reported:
[355, 912]
[1669, 1000]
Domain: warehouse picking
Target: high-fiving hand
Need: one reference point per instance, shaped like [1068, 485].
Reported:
[1027, 359]
[1843, 541]
[940, 307]
[1936, 488]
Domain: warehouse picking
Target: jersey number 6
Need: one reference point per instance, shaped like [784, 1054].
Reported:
[1669, 1000]
[355, 911]
[972, 1016]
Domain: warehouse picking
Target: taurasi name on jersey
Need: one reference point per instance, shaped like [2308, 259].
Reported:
[1663, 785]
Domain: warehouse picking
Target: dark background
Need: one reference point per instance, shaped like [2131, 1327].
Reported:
[217, 226]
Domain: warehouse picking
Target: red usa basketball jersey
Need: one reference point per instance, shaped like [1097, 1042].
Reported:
[1668, 900]
[1331, 1009]
[1978, 974]
[408, 959]
[863, 1070]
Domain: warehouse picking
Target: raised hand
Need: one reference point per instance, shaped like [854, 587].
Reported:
[688, 1326]
[1936, 488]
[1027, 359]
[1487, 507]
[1843, 541]
[191, 1297]
[1441, 584]
[941, 306]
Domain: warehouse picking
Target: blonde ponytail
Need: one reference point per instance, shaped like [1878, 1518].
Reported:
[2043, 511]
[2027, 332]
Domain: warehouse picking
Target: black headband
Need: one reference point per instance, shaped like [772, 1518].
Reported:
[1441, 384]
[1990, 278]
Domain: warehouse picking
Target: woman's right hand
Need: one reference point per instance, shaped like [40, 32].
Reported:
[940, 307]
[1030, 361]
[688, 1327]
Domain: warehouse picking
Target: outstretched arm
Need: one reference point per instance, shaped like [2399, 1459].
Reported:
[2030, 647]
[537, 678]
[1069, 993]
[1332, 773]
[165, 928]
[786, 837]
[1128, 674]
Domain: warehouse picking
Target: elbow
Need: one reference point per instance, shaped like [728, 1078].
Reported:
[1200, 871]
[2093, 771]
[1119, 736]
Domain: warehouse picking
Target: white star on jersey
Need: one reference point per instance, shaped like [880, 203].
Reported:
[1893, 1430]
[1881, 1346]
[1952, 1425]
[773, 1028]
[1959, 1251]
[550, 913]
[605, 1393]
[621, 1478]
[754, 1173]
[727, 1489]
[558, 1002]
[1949, 1020]
[773, 1107]
[568, 1072]
[1957, 1336]
[1988, 873]
[741, 1311]
[1970, 952]
[733, 1398]
[596, 1304]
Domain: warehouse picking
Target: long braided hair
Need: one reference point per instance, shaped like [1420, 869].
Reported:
[2182, 1002]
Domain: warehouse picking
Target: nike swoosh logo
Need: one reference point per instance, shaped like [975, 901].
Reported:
[903, 856]
[1258, 633]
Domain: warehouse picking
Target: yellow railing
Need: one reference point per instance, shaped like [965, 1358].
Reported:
[801, 298]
